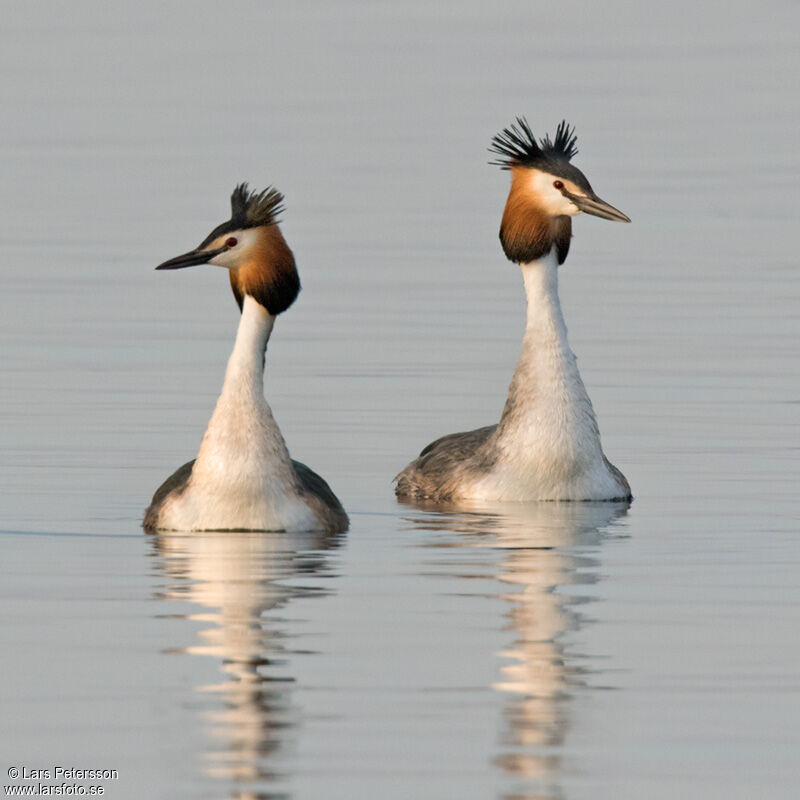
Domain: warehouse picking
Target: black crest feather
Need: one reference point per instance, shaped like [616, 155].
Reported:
[516, 146]
[252, 209]
[249, 210]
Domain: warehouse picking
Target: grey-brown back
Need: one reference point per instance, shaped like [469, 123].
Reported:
[438, 470]
[623, 481]
[320, 497]
[175, 483]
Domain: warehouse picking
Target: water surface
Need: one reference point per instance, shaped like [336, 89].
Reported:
[551, 651]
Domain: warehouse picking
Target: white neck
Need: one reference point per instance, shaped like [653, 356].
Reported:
[547, 402]
[243, 477]
[545, 326]
[242, 429]
[246, 363]
[547, 445]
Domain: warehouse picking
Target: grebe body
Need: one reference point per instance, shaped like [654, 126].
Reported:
[547, 443]
[243, 477]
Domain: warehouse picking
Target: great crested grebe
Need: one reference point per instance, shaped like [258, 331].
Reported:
[547, 444]
[243, 477]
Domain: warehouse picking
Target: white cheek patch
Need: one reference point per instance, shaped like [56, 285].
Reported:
[551, 199]
[226, 259]
[233, 256]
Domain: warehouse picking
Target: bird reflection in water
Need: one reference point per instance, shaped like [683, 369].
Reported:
[544, 547]
[235, 578]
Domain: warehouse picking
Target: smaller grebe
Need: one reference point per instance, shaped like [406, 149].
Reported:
[243, 477]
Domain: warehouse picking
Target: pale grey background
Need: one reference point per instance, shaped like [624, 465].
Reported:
[655, 652]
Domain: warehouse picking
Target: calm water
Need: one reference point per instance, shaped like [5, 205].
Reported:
[550, 651]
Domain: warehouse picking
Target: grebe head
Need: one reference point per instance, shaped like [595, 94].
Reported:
[546, 190]
[251, 246]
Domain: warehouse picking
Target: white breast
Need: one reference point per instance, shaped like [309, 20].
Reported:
[243, 477]
[548, 444]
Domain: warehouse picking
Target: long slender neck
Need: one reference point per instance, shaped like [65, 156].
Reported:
[246, 363]
[545, 326]
[243, 456]
[546, 390]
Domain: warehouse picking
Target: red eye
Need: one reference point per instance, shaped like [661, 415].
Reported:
[231, 242]
[558, 184]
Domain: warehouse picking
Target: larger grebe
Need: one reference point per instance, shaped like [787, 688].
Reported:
[243, 477]
[547, 444]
